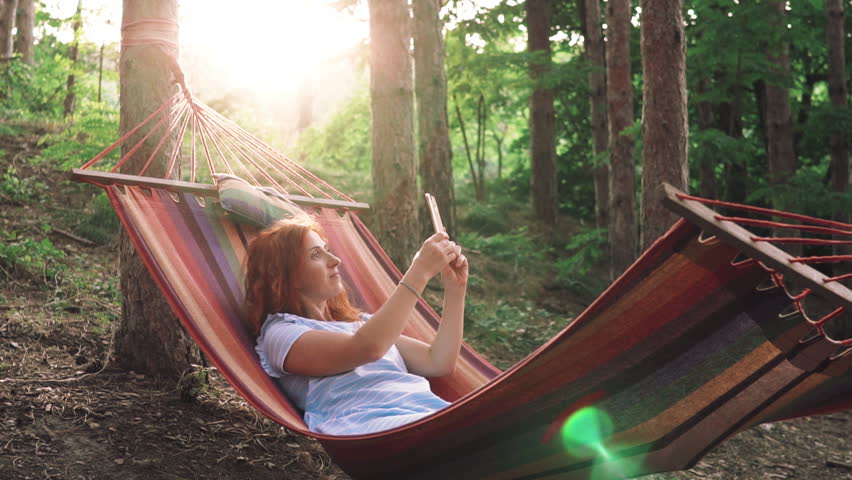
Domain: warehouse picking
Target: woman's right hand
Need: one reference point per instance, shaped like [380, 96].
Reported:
[436, 253]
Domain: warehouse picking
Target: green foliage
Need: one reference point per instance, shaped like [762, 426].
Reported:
[340, 151]
[100, 224]
[484, 219]
[583, 252]
[96, 127]
[24, 257]
[103, 322]
[33, 92]
[824, 121]
[473, 48]
[819, 201]
[8, 130]
[516, 246]
[19, 189]
[718, 150]
[508, 331]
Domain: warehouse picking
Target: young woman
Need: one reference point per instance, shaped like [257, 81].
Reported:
[351, 373]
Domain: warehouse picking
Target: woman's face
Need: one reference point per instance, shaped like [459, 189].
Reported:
[317, 278]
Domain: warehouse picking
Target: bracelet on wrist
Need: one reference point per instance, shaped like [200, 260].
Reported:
[411, 289]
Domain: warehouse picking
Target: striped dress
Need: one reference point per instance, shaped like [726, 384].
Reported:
[370, 398]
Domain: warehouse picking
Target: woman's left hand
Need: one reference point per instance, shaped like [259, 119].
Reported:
[455, 274]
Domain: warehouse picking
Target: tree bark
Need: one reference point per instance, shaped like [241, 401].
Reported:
[25, 21]
[542, 115]
[73, 53]
[430, 82]
[149, 338]
[837, 92]
[779, 119]
[778, 126]
[8, 11]
[665, 127]
[623, 237]
[729, 120]
[595, 53]
[392, 100]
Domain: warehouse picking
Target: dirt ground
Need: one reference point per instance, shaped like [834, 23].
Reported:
[68, 412]
[67, 415]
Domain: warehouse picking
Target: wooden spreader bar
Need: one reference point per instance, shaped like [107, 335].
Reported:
[767, 253]
[203, 189]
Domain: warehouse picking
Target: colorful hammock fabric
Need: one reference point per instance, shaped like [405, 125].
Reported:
[685, 349]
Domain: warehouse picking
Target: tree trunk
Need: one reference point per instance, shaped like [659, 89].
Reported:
[838, 141]
[478, 182]
[778, 127]
[623, 237]
[665, 126]
[392, 101]
[430, 81]
[542, 115]
[149, 338]
[595, 53]
[730, 121]
[8, 11]
[25, 20]
[73, 53]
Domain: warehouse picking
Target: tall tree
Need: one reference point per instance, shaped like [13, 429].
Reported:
[430, 83]
[545, 198]
[665, 125]
[8, 11]
[149, 338]
[837, 92]
[590, 13]
[25, 21]
[73, 53]
[392, 101]
[778, 119]
[623, 237]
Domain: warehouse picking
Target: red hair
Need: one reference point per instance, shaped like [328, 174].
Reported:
[271, 263]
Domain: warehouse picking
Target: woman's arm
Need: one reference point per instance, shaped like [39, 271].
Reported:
[322, 353]
[439, 358]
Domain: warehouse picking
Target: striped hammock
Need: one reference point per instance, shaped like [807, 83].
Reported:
[686, 348]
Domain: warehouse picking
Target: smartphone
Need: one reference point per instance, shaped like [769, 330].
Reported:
[432, 206]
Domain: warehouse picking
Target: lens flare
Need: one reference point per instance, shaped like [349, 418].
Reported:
[585, 432]
[585, 435]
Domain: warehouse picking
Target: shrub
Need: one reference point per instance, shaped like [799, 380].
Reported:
[485, 219]
[101, 225]
[584, 251]
[515, 246]
[19, 189]
[27, 257]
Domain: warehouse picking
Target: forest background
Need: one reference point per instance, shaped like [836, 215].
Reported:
[766, 123]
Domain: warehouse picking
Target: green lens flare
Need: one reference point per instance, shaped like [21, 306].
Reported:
[585, 432]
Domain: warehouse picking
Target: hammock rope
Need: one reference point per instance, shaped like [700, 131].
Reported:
[802, 241]
[769, 212]
[191, 123]
[817, 226]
